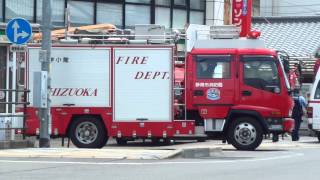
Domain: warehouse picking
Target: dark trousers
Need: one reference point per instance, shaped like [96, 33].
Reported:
[295, 132]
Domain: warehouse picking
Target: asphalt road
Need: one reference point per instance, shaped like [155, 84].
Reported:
[272, 164]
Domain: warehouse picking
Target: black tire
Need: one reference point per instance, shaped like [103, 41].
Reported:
[121, 141]
[318, 134]
[97, 133]
[245, 133]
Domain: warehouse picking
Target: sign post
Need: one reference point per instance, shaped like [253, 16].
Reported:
[18, 32]
[44, 113]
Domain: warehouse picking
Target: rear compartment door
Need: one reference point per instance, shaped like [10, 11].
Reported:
[81, 76]
[142, 84]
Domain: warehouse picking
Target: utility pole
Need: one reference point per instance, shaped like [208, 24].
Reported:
[44, 113]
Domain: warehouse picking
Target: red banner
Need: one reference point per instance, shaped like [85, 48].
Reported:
[241, 15]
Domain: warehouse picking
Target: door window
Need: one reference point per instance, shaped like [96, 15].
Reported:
[261, 72]
[210, 67]
[317, 93]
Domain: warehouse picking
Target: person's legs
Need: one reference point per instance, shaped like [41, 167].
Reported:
[295, 132]
[275, 137]
[298, 127]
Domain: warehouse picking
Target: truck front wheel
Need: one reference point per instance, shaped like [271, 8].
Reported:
[88, 132]
[245, 133]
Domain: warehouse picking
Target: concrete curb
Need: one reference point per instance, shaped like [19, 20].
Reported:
[200, 152]
[16, 144]
[109, 154]
[173, 154]
[131, 154]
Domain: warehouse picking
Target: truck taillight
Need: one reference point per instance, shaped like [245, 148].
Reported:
[310, 112]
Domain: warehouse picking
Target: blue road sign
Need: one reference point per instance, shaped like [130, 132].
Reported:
[18, 31]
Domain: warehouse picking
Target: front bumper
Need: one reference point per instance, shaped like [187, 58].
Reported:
[288, 124]
[280, 125]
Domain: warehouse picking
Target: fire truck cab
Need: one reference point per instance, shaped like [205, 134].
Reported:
[237, 89]
[228, 88]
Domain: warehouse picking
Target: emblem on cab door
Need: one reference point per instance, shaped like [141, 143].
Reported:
[213, 94]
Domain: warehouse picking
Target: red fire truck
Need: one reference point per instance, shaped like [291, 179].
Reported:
[131, 87]
[228, 88]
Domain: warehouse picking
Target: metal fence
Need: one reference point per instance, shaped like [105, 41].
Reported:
[13, 122]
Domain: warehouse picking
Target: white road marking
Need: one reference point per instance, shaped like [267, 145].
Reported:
[155, 163]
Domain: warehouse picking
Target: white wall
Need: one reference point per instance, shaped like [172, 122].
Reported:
[289, 7]
[214, 12]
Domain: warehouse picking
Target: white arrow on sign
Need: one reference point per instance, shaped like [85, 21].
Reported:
[16, 35]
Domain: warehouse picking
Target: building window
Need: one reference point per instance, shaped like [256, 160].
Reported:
[137, 14]
[197, 11]
[196, 17]
[256, 8]
[162, 16]
[109, 13]
[19, 8]
[57, 12]
[180, 2]
[81, 12]
[163, 2]
[139, 1]
[197, 4]
[179, 18]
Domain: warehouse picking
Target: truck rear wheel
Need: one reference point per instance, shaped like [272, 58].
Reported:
[245, 133]
[318, 134]
[88, 132]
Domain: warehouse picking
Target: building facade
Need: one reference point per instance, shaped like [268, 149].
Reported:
[122, 13]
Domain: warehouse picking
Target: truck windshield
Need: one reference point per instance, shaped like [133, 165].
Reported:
[261, 72]
[281, 62]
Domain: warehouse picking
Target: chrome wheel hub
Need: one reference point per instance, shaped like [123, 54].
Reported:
[245, 133]
[86, 132]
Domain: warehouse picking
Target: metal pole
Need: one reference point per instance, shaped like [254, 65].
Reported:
[13, 93]
[44, 113]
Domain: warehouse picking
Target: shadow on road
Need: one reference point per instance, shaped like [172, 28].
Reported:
[258, 150]
[150, 144]
[311, 142]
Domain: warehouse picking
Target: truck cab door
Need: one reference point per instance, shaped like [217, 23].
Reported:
[213, 85]
[260, 85]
